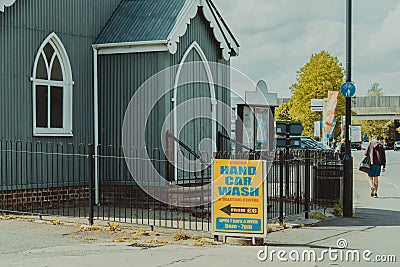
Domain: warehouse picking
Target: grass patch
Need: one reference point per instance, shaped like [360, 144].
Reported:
[142, 231]
[182, 236]
[132, 239]
[5, 216]
[338, 210]
[196, 237]
[318, 216]
[89, 228]
[56, 222]
[113, 227]
[160, 241]
[121, 239]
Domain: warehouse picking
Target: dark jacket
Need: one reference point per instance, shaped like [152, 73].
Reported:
[376, 153]
[342, 151]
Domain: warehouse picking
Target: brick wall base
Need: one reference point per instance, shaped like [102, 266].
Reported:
[31, 200]
[42, 200]
[127, 196]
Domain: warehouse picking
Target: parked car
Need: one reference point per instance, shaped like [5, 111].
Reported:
[389, 145]
[299, 142]
[364, 145]
[356, 145]
[396, 145]
[313, 142]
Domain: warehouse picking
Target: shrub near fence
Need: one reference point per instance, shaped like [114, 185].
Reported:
[55, 179]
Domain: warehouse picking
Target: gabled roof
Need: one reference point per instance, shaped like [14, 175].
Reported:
[157, 25]
[141, 20]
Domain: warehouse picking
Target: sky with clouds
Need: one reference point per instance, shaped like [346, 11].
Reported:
[277, 38]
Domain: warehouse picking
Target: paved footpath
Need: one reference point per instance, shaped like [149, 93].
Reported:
[373, 234]
[375, 226]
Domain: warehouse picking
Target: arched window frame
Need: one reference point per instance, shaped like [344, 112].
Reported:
[66, 84]
[213, 101]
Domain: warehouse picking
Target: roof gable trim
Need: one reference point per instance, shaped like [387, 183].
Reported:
[228, 44]
[6, 3]
[221, 32]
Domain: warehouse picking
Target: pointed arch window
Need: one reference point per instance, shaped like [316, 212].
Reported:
[52, 90]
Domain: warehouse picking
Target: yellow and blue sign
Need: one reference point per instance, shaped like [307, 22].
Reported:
[239, 197]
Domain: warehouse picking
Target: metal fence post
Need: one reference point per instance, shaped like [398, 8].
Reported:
[298, 190]
[91, 182]
[287, 158]
[281, 163]
[169, 169]
[220, 143]
[307, 179]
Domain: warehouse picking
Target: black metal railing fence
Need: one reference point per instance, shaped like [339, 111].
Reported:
[60, 179]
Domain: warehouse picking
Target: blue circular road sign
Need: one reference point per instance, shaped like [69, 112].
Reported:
[348, 89]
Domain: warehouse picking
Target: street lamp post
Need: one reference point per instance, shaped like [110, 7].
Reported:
[348, 160]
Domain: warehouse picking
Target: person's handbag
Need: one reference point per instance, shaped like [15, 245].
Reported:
[365, 165]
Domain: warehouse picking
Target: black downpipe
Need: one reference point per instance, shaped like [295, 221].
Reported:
[91, 184]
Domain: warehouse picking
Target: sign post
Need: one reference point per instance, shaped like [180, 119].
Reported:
[289, 127]
[348, 90]
[239, 198]
[317, 105]
[317, 129]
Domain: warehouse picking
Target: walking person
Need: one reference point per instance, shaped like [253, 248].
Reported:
[341, 149]
[377, 156]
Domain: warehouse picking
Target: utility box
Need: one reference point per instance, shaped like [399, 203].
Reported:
[328, 183]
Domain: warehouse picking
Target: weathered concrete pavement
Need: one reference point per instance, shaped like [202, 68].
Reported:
[375, 227]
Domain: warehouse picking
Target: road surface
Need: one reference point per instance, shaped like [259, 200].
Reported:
[374, 230]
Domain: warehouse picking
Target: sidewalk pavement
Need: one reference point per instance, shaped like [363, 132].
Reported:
[375, 228]
[375, 225]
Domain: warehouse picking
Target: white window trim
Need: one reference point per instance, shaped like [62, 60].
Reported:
[195, 47]
[66, 84]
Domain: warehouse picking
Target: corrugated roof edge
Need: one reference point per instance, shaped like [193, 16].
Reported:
[228, 42]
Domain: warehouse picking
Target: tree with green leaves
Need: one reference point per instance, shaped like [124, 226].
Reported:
[282, 112]
[322, 73]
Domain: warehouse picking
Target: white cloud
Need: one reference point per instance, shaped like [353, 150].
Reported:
[278, 37]
[378, 54]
